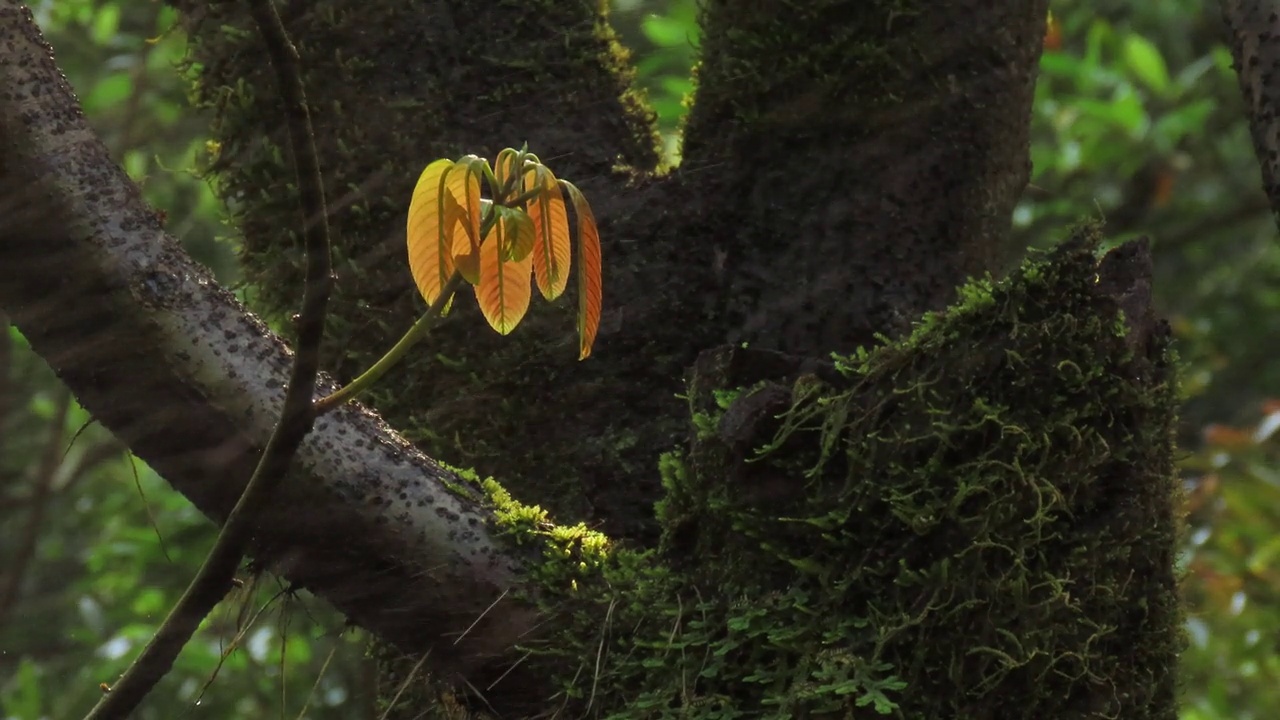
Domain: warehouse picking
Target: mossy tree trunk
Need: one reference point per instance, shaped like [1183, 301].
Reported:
[981, 509]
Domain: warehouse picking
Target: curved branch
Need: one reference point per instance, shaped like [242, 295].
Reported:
[181, 373]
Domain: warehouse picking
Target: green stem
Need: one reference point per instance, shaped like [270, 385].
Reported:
[393, 356]
[410, 338]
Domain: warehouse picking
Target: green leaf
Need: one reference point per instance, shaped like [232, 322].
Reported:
[22, 697]
[665, 31]
[106, 22]
[109, 91]
[1061, 65]
[1146, 62]
[1190, 119]
[677, 85]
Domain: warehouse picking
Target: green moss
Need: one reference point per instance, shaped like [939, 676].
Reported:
[975, 521]
[986, 505]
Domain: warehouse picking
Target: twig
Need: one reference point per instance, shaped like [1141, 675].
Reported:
[302, 714]
[215, 577]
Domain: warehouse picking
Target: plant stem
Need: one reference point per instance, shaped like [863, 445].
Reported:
[393, 356]
[410, 338]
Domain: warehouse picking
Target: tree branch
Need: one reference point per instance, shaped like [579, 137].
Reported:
[176, 368]
[1254, 37]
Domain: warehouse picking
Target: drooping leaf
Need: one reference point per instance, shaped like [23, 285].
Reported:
[504, 287]
[464, 185]
[504, 167]
[589, 280]
[428, 235]
[550, 218]
[466, 258]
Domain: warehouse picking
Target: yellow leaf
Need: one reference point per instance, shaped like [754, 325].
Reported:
[590, 296]
[466, 259]
[504, 287]
[551, 253]
[463, 182]
[429, 238]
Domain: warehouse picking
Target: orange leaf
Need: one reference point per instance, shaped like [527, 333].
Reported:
[503, 290]
[464, 230]
[427, 232]
[589, 290]
[466, 259]
[551, 253]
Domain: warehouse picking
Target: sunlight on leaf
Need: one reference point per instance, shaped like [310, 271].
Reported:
[429, 240]
[551, 252]
[526, 238]
[518, 238]
[463, 213]
[504, 287]
[589, 281]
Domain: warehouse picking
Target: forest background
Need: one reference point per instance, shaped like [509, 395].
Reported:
[1137, 120]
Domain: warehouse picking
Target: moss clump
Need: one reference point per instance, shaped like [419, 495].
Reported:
[976, 521]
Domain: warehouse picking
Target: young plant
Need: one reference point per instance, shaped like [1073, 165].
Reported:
[501, 245]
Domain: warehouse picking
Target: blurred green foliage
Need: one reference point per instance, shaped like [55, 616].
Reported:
[1137, 120]
[663, 35]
